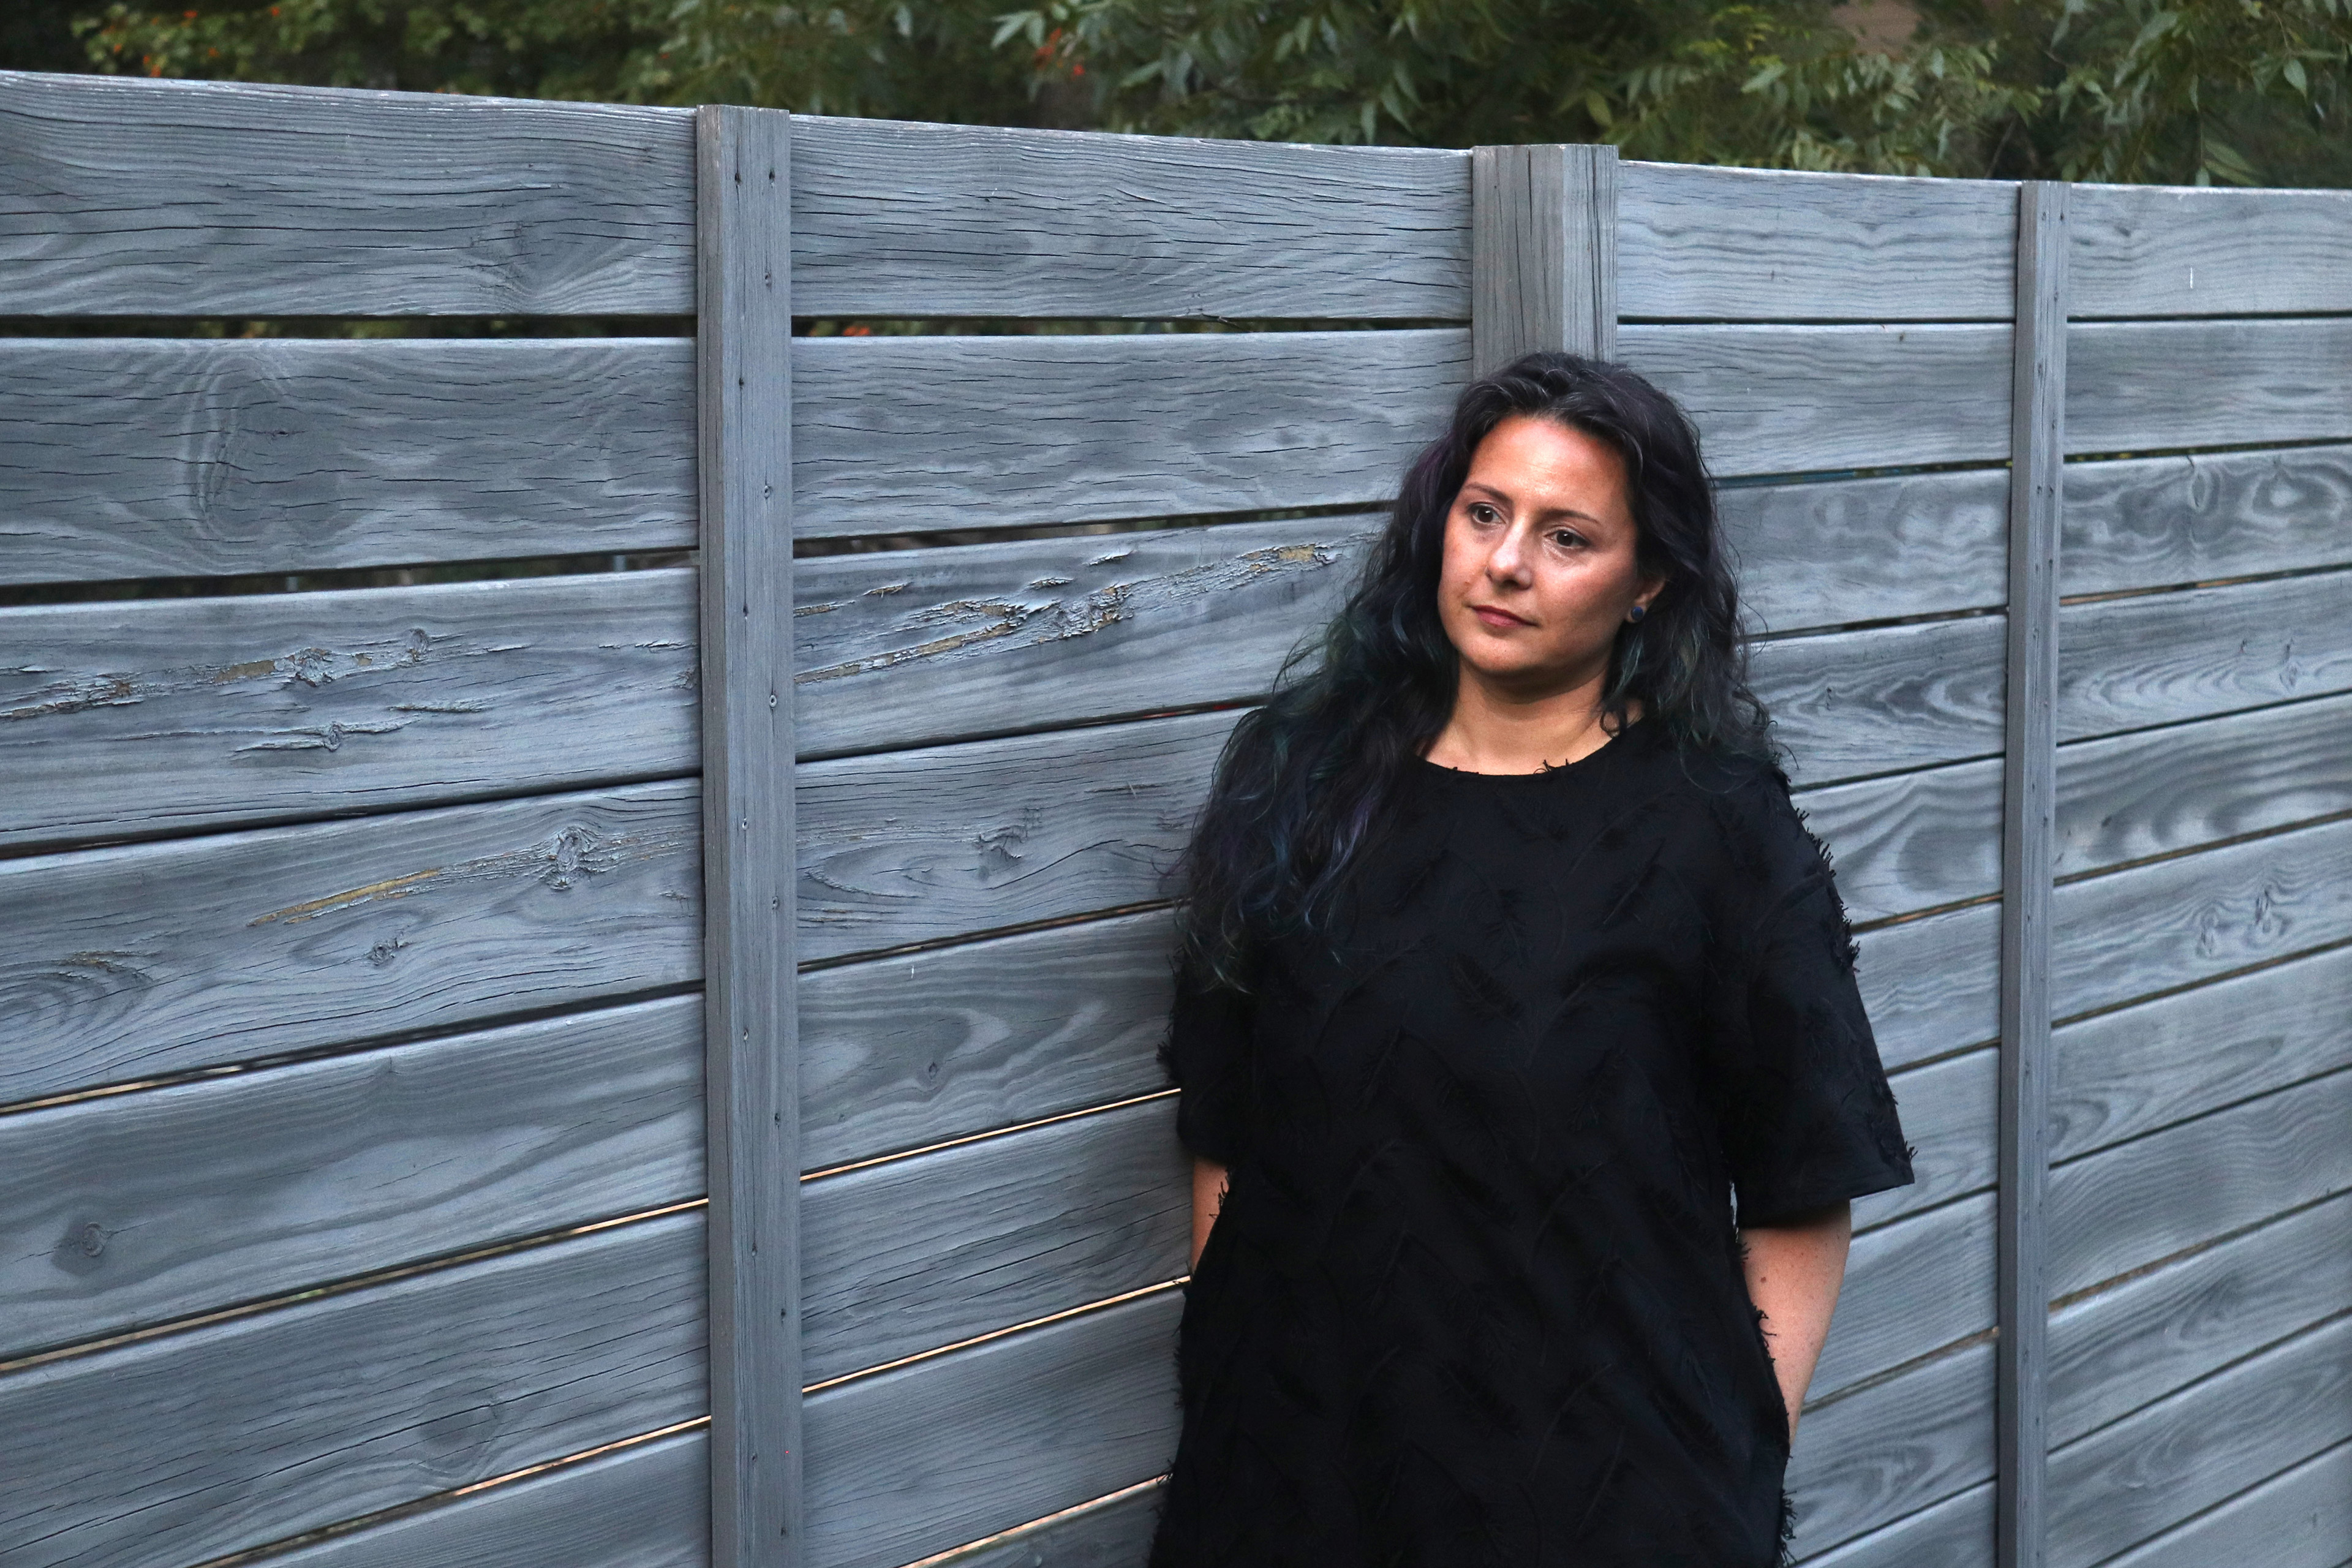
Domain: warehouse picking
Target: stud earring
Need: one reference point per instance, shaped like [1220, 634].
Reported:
[1635, 615]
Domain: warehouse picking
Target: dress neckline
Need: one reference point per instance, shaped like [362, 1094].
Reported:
[1602, 750]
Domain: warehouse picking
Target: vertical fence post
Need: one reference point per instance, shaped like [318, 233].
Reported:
[2030, 789]
[743, 457]
[1543, 261]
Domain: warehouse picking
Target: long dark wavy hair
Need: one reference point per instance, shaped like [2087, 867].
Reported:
[1304, 778]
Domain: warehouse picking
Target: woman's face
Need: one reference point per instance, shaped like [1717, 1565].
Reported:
[1540, 568]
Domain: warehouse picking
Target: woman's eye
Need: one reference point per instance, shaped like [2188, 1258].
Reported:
[1480, 512]
[1566, 540]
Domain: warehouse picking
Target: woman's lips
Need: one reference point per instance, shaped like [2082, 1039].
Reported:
[1499, 620]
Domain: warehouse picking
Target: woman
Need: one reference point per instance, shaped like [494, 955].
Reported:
[1509, 970]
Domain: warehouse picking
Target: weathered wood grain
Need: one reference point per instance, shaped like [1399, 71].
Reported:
[1893, 1447]
[204, 713]
[1955, 1533]
[915, 1461]
[2154, 1469]
[2120, 1075]
[2155, 928]
[2128, 1206]
[2175, 250]
[150, 457]
[644, 1507]
[1543, 252]
[139, 1208]
[249, 1431]
[1115, 1534]
[2152, 522]
[1911, 1289]
[1714, 244]
[1948, 1110]
[1808, 399]
[904, 1052]
[2300, 1519]
[128, 963]
[1852, 703]
[2160, 1331]
[1931, 985]
[909, 1254]
[2252, 383]
[914, 647]
[129, 197]
[1849, 551]
[1061, 429]
[1913, 841]
[893, 219]
[2126, 664]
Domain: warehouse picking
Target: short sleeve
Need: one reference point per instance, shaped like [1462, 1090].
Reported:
[1805, 1114]
[1206, 1057]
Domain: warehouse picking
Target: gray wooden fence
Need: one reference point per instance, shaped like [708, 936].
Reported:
[367, 977]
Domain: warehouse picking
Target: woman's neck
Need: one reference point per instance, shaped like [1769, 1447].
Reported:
[1494, 731]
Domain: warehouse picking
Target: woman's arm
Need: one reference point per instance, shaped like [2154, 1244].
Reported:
[1793, 1274]
[1208, 1197]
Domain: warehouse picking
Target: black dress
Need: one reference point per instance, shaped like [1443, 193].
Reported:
[1475, 1298]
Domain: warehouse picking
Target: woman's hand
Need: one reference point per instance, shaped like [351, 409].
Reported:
[1793, 1274]
[1208, 1197]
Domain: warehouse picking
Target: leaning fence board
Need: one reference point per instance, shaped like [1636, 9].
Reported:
[1932, 985]
[2300, 1519]
[1848, 551]
[2153, 522]
[1116, 1533]
[1084, 428]
[905, 1255]
[1957, 1532]
[205, 713]
[2159, 251]
[339, 932]
[893, 219]
[2122, 1074]
[124, 458]
[927, 1456]
[127, 197]
[647, 1506]
[1893, 1447]
[1948, 1110]
[2132, 934]
[2158, 1332]
[2130, 798]
[2126, 664]
[2153, 1469]
[1861, 702]
[2128, 1206]
[1911, 1289]
[1714, 244]
[136, 1209]
[1807, 399]
[249, 1431]
[905, 1052]
[2256, 383]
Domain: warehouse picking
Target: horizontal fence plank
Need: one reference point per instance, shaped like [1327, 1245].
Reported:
[205, 713]
[1064, 429]
[1769, 245]
[917, 646]
[124, 458]
[340, 932]
[1932, 985]
[1891, 1449]
[1948, 1110]
[2157, 792]
[1115, 1534]
[1911, 1289]
[2119, 1075]
[899, 1053]
[2145, 1474]
[894, 218]
[135, 1209]
[2153, 927]
[2149, 522]
[2128, 1206]
[1955, 1533]
[2175, 250]
[253, 1430]
[2256, 383]
[1911, 842]
[914, 1461]
[2162, 1330]
[1849, 703]
[1807, 399]
[129, 197]
[2300, 1519]
[647, 1506]
[909, 1254]
[1849, 551]
[2159, 658]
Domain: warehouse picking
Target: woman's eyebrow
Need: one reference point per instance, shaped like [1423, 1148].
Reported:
[1546, 513]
